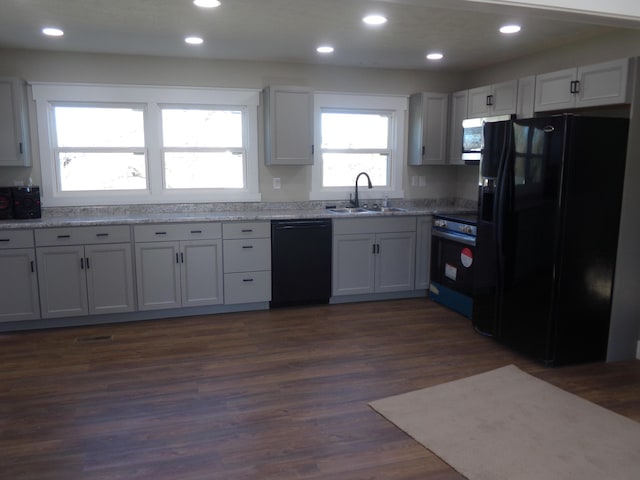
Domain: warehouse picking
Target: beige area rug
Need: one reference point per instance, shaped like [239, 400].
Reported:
[508, 425]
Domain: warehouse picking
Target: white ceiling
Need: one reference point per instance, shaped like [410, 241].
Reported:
[290, 30]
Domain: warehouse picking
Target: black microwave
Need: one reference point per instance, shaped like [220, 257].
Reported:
[473, 137]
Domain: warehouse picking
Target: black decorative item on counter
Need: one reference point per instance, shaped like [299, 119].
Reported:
[20, 202]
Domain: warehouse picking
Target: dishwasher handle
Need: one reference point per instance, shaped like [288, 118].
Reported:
[301, 224]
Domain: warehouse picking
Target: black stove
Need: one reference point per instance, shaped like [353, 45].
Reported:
[463, 224]
[453, 241]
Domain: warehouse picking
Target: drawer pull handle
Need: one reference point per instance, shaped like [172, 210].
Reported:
[161, 233]
[5, 239]
[64, 236]
[247, 246]
[247, 279]
[247, 230]
[102, 234]
[196, 231]
[33, 266]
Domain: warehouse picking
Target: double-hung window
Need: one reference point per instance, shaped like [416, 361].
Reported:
[358, 133]
[354, 142]
[99, 147]
[119, 144]
[202, 148]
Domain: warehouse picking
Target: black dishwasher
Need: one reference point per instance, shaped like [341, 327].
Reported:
[300, 262]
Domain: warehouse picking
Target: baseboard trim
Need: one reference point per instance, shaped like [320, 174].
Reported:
[638, 350]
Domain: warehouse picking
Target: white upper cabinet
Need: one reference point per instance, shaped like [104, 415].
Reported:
[14, 138]
[288, 125]
[526, 97]
[492, 100]
[428, 122]
[587, 86]
[457, 113]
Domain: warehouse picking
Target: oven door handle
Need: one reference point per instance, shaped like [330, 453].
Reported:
[455, 237]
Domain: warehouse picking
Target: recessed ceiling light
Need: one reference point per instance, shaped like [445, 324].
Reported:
[206, 3]
[324, 49]
[52, 32]
[435, 56]
[375, 20]
[510, 29]
[194, 40]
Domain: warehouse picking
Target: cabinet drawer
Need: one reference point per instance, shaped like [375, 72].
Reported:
[176, 231]
[373, 225]
[247, 287]
[247, 230]
[82, 235]
[16, 239]
[247, 255]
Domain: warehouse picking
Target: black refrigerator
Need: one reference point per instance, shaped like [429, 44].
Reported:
[549, 208]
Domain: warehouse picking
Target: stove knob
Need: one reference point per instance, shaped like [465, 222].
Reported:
[440, 223]
[466, 228]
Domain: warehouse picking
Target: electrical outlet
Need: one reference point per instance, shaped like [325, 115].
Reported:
[276, 183]
[414, 180]
[422, 181]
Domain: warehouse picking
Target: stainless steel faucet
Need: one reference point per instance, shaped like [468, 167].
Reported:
[355, 202]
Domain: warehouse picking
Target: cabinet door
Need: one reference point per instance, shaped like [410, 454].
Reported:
[423, 251]
[19, 289]
[553, 90]
[504, 97]
[158, 275]
[201, 272]
[428, 114]
[109, 278]
[353, 264]
[458, 112]
[395, 262]
[288, 126]
[62, 281]
[13, 141]
[603, 84]
[479, 105]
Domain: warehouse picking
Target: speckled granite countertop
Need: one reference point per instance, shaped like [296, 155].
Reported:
[134, 215]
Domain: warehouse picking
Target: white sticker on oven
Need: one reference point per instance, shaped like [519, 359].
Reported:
[466, 257]
[450, 271]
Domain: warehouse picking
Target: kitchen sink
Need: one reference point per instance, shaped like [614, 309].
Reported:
[389, 209]
[367, 210]
[350, 210]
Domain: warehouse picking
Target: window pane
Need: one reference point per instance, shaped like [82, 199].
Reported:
[99, 127]
[101, 171]
[341, 169]
[202, 128]
[354, 130]
[203, 170]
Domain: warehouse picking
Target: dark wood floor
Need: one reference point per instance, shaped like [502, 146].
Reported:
[280, 394]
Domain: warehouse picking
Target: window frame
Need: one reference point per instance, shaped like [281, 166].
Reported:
[151, 98]
[396, 107]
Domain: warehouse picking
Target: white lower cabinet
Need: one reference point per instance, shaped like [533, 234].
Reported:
[373, 255]
[80, 272]
[19, 283]
[174, 271]
[247, 262]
